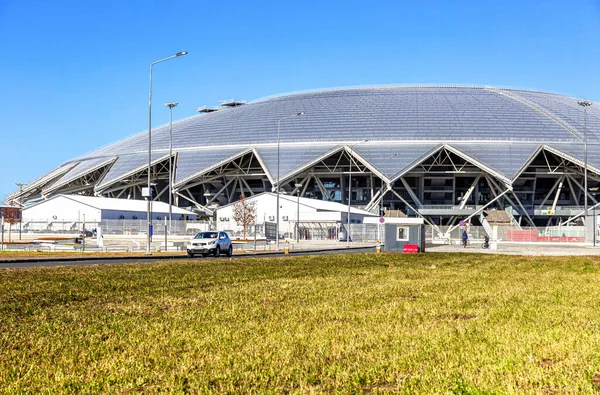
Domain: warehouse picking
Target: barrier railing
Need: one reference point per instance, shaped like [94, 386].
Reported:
[510, 234]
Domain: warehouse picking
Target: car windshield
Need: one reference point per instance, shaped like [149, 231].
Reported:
[206, 235]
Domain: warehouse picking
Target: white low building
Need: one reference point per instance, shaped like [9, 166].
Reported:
[311, 214]
[61, 211]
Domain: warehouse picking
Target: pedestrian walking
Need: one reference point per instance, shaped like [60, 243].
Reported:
[465, 238]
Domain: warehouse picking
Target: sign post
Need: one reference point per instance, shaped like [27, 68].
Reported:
[166, 248]
[2, 226]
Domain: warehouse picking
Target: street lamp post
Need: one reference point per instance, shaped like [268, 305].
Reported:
[595, 189]
[170, 105]
[298, 186]
[20, 185]
[278, 142]
[149, 190]
[349, 197]
[585, 104]
[350, 192]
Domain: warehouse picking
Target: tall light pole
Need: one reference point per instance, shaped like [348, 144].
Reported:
[278, 141]
[585, 104]
[170, 105]
[298, 186]
[149, 190]
[20, 185]
[594, 193]
[350, 191]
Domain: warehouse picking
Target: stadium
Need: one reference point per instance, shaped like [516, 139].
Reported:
[444, 153]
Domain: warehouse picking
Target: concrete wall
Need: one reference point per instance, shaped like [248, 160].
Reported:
[116, 214]
[266, 206]
[61, 208]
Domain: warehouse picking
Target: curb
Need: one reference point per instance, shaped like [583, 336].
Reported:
[170, 257]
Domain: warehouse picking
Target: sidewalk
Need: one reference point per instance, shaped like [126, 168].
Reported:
[519, 249]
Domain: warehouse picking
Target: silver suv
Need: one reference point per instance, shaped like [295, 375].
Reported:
[214, 243]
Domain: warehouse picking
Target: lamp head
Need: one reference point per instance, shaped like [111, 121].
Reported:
[182, 53]
[584, 103]
[300, 113]
[171, 104]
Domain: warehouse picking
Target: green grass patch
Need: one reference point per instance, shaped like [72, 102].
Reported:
[428, 323]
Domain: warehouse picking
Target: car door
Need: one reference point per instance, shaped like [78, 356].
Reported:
[223, 241]
[227, 240]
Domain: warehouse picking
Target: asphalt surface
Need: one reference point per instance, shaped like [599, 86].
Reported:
[33, 263]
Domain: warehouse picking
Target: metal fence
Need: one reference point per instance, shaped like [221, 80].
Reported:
[317, 231]
[130, 227]
[511, 234]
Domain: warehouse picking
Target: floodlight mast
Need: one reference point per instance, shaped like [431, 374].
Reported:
[350, 189]
[149, 191]
[585, 104]
[278, 140]
[171, 105]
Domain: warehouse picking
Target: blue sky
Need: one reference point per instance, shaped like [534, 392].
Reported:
[74, 74]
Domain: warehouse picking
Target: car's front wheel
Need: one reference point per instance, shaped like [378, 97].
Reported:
[190, 254]
[217, 251]
[230, 251]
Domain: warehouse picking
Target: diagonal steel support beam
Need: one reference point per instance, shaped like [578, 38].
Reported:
[578, 215]
[230, 194]
[481, 209]
[415, 210]
[160, 193]
[550, 192]
[469, 192]
[523, 208]
[248, 186]
[304, 181]
[322, 188]
[493, 184]
[572, 190]
[193, 201]
[306, 185]
[560, 184]
[375, 199]
[410, 192]
[580, 186]
[220, 191]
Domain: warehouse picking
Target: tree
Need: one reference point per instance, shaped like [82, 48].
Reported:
[11, 215]
[244, 213]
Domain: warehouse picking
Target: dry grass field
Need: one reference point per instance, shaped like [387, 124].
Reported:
[79, 254]
[430, 323]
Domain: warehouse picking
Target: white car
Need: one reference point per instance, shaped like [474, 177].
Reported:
[214, 243]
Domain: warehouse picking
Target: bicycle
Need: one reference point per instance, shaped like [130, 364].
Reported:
[449, 241]
[485, 245]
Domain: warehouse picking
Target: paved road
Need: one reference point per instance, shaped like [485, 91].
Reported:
[89, 262]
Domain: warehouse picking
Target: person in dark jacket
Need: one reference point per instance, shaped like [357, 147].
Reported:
[465, 238]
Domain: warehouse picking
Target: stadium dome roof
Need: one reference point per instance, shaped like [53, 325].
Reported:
[390, 128]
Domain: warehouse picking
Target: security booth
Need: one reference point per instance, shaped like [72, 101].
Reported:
[404, 234]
